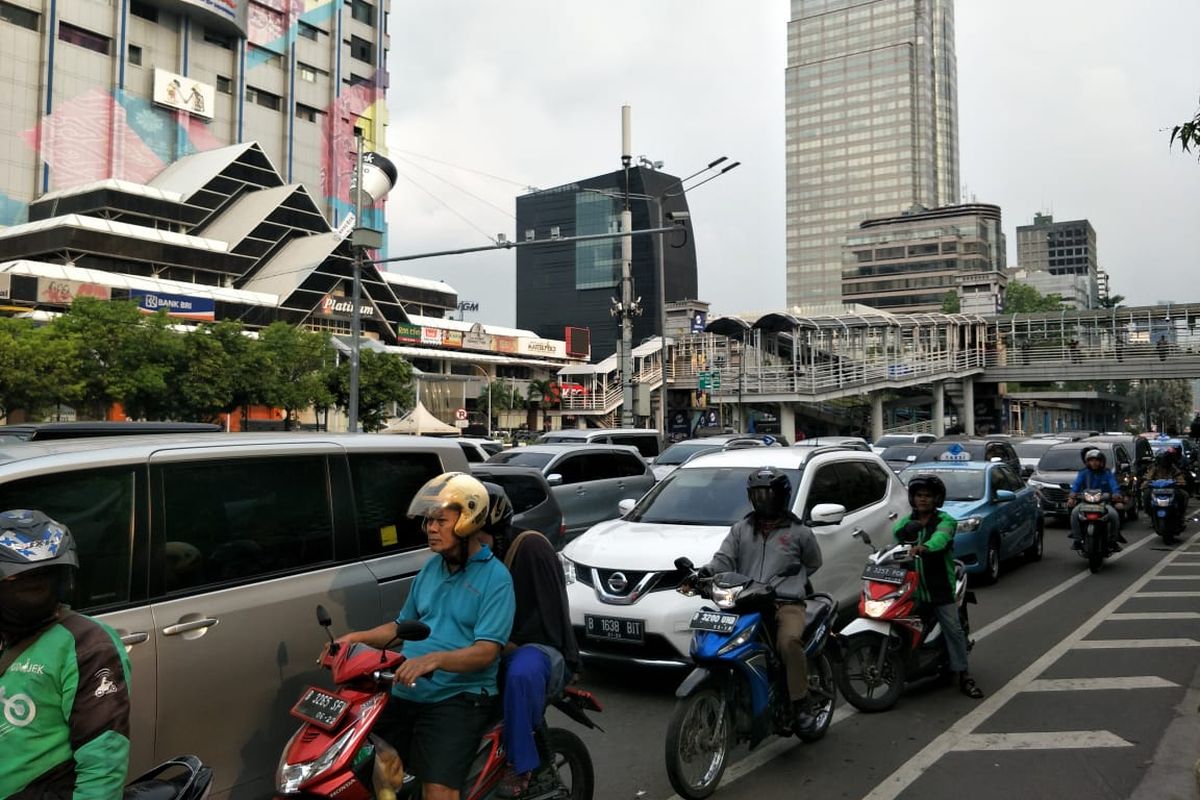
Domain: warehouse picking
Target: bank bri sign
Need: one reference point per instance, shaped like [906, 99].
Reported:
[176, 305]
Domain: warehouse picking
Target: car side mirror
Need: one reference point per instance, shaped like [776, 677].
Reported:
[554, 479]
[683, 562]
[1005, 495]
[826, 514]
[626, 505]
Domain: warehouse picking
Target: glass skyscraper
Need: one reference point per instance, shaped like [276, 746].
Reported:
[872, 126]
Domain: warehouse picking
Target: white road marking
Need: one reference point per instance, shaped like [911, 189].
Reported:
[1177, 577]
[891, 787]
[1099, 684]
[1132, 644]
[1167, 594]
[1151, 616]
[1046, 740]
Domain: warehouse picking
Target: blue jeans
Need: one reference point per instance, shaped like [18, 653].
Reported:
[533, 674]
[956, 639]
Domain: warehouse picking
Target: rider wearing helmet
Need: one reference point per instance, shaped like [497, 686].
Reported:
[64, 677]
[762, 545]
[1166, 468]
[1095, 475]
[931, 532]
[541, 654]
[441, 699]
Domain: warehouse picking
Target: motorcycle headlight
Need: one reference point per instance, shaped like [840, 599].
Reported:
[568, 567]
[877, 608]
[290, 777]
[737, 641]
[969, 524]
[725, 597]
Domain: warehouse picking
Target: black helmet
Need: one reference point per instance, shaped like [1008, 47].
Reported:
[498, 522]
[932, 484]
[1164, 458]
[1095, 452]
[31, 540]
[769, 491]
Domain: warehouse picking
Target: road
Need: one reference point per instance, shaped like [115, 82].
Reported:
[1092, 682]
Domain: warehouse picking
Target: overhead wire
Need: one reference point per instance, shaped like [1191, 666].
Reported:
[448, 207]
[453, 185]
[522, 184]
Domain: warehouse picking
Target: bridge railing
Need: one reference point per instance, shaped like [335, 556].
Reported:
[844, 373]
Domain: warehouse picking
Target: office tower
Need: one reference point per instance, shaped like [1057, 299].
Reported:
[871, 124]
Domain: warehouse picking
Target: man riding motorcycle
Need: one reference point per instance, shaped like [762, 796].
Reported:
[1166, 468]
[762, 545]
[1095, 475]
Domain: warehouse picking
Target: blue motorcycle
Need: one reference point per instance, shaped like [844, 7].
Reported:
[737, 691]
[1166, 513]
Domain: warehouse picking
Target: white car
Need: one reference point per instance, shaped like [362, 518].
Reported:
[621, 575]
[889, 439]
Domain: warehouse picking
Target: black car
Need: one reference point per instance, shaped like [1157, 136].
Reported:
[534, 506]
[1057, 469]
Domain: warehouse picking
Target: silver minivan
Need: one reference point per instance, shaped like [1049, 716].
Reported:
[646, 440]
[208, 554]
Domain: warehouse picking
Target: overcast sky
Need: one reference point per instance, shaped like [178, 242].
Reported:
[1064, 106]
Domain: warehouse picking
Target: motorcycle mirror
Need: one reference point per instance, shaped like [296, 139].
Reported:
[411, 631]
[683, 562]
[323, 618]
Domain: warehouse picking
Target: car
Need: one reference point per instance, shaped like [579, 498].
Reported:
[890, 439]
[899, 456]
[854, 442]
[621, 574]
[534, 506]
[997, 513]
[1057, 469]
[980, 449]
[45, 431]
[1189, 456]
[587, 480]
[1031, 450]
[646, 440]
[208, 554]
[477, 450]
[1137, 446]
[684, 451]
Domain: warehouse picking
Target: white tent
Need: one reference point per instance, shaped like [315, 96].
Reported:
[420, 421]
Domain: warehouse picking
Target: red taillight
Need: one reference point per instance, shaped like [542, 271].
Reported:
[1092, 516]
[562, 531]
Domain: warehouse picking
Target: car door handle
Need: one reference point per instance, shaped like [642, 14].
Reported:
[130, 639]
[185, 627]
[893, 515]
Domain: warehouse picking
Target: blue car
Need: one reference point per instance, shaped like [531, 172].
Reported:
[998, 515]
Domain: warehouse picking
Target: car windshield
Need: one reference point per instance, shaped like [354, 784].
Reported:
[521, 458]
[1069, 459]
[1158, 445]
[679, 453]
[562, 440]
[701, 496]
[893, 439]
[1034, 448]
[961, 483]
[901, 452]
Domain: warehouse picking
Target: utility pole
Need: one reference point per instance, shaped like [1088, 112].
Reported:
[356, 292]
[626, 309]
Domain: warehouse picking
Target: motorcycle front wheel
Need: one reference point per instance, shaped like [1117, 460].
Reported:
[1095, 549]
[867, 684]
[571, 764]
[823, 691]
[699, 739]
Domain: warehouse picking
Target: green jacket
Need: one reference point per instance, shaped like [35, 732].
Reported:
[936, 566]
[64, 715]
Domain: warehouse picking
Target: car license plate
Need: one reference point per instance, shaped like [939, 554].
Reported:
[617, 629]
[320, 708]
[884, 573]
[713, 621]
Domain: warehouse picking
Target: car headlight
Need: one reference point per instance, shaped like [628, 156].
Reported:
[969, 524]
[1038, 484]
[725, 597]
[568, 567]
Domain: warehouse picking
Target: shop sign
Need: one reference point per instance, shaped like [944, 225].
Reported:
[63, 292]
[408, 334]
[477, 339]
[176, 305]
[431, 335]
[184, 94]
[541, 347]
[505, 344]
[332, 305]
[452, 339]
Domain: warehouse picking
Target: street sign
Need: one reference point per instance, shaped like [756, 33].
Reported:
[460, 414]
[703, 376]
[715, 380]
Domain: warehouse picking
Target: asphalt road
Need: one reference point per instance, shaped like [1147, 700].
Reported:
[1092, 683]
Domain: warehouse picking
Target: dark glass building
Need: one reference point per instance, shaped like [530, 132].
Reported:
[572, 284]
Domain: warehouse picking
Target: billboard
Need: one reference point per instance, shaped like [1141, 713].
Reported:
[579, 342]
[452, 339]
[176, 305]
[184, 94]
[541, 347]
[56, 291]
[431, 335]
[340, 307]
[408, 334]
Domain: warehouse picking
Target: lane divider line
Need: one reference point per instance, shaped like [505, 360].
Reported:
[1154, 616]
[1042, 740]
[1099, 684]
[1167, 594]
[1118, 644]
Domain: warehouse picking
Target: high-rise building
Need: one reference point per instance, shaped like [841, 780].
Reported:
[97, 91]
[1065, 250]
[871, 123]
[573, 284]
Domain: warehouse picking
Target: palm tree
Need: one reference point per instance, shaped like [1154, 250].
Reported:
[540, 393]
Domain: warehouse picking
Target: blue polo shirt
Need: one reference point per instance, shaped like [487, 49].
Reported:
[474, 604]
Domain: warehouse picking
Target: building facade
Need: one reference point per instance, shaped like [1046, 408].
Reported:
[572, 284]
[871, 125]
[908, 262]
[1064, 250]
[122, 90]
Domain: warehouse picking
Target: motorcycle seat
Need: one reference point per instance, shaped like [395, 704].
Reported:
[816, 608]
[152, 790]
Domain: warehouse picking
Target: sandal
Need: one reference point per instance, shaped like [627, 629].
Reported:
[967, 686]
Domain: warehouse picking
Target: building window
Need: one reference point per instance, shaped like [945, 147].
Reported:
[224, 85]
[19, 16]
[362, 11]
[264, 99]
[355, 80]
[309, 73]
[144, 10]
[597, 262]
[362, 50]
[83, 38]
[135, 55]
[307, 31]
[267, 56]
[307, 112]
[219, 39]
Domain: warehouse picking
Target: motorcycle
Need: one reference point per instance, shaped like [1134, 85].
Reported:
[894, 642]
[737, 690]
[181, 778]
[334, 753]
[1165, 511]
[1093, 526]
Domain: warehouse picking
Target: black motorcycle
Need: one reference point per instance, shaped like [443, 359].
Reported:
[181, 778]
[1095, 543]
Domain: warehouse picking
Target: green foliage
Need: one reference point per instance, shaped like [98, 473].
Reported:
[293, 368]
[1112, 301]
[1187, 134]
[383, 379]
[1167, 403]
[951, 303]
[1021, 298]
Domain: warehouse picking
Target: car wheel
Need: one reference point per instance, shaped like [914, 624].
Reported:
[991, 564]
[1035, 550]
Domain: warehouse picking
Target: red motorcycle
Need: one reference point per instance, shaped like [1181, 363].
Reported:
[336, 754]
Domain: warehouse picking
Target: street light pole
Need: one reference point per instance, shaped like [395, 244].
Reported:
[356, 293]
[626, 307]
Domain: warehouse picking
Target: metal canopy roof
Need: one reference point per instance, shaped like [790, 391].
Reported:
[119, 280]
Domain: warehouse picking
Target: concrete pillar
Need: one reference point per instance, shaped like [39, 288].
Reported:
[787, 422]
[968, 402]
[939, 409]
[876, 416]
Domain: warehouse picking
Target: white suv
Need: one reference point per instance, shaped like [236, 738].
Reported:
[621, 577]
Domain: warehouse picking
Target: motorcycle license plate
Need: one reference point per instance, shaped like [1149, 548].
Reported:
[1162, 501]
[320, 708]
[713, 621]
[884, 573]
[618, 629]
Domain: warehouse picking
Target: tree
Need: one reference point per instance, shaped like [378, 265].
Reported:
[383, 379]
[1167, 404]
[503, 398]
[541, 393]
[1187, 134]
[293, 361]
[950, 303]
[1112, 301]
[1021, 298]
